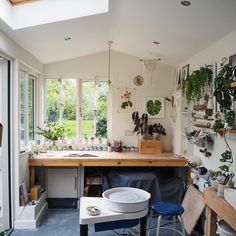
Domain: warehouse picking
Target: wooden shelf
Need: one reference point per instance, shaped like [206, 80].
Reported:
[198, 118]
[202, 125]
[199, 107]
[222, 131]
[217, 206]
[233, 85]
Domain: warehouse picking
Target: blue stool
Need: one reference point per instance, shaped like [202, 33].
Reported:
[167, 209]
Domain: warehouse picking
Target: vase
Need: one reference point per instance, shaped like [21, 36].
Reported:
[53, 146]
[147, 136]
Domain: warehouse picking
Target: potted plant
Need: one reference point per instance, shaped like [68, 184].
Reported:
[151, 133]
[197, 83]
[225, 95]
[52, 132]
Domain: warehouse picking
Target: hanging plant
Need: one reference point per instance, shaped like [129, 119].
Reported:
[223, 92]
[196, 84]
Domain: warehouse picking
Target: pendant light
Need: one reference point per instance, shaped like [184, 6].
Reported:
[109, 63]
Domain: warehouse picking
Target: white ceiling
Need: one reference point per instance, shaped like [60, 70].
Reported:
[133, 25]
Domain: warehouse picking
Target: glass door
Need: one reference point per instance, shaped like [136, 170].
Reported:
[4, 144]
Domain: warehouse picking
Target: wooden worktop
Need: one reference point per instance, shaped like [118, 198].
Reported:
[103, 158]
[217, 207]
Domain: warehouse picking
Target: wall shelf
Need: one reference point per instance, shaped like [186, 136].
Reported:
[223, 131]
[233, 85]
[202, 125]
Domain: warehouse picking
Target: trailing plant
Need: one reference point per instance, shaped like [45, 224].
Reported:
[230, 117]
[142, 127]
[196, 84]
[223, 92]
[217, 125]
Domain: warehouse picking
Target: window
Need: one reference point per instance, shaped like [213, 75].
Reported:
[94, 109]
[87, 119]
[61, 103]
[27, 108]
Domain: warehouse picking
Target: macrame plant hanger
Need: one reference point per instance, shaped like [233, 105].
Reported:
[150, 65]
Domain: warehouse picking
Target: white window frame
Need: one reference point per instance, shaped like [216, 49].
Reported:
[78, 90]
[27, 142]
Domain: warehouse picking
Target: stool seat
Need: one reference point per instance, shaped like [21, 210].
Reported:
[167, 209]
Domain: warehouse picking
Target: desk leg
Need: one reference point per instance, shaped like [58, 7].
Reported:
[143, 223]
[83, 230]
[32, 176]
[211, 219]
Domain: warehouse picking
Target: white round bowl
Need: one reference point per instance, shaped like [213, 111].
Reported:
[126, 199]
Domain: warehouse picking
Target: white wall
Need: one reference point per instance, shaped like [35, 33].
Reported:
[123, 69]
[222, 48]
[19, 163]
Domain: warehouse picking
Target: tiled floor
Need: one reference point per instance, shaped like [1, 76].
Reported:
[61, 222]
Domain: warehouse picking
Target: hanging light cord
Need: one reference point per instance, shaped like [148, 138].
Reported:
[109, 63]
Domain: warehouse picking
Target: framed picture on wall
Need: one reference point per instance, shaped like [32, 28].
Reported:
[185, 73]
[155, 107]
[126, 99]
[232, 60]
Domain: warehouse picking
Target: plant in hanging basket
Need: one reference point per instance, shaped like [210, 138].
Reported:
[197, 83]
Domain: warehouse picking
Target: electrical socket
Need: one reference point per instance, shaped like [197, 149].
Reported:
[128, 132]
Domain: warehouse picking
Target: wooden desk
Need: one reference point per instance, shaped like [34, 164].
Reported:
[217, 206]
[101, 158]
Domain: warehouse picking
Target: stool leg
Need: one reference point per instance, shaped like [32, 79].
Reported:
[143, 224]
[158, 225]
[174, 225]
[149, 222]
[182, 225]
[83, 230]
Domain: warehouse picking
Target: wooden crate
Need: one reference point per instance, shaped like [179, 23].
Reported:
[150, 146]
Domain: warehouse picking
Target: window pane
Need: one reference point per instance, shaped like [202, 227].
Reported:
[88, 108]
[94, 109]
[52, 96]
[31, 106]
[69, 108]
[101, 109]
[61, 103]
[22, 110]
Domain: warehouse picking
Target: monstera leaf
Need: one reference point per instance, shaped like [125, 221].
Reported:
[153, 107]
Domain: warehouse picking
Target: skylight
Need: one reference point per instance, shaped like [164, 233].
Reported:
[48, 11]
[13, 2]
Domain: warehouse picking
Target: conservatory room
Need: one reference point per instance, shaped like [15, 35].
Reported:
[117, 117]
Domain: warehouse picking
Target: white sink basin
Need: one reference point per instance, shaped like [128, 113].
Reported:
[126, 199]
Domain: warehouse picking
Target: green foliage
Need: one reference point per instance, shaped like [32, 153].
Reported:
[71, 126]
[217, 125]
[52, 131]
[153, 107]
[101, 127]
[223, 92]
[196, 84]
[142, 127]
[230, 117]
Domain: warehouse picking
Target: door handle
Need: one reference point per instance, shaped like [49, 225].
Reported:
[1, 131]
[75, 186]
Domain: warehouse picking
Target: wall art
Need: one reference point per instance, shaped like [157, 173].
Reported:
[126, 99]
[155, 107]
